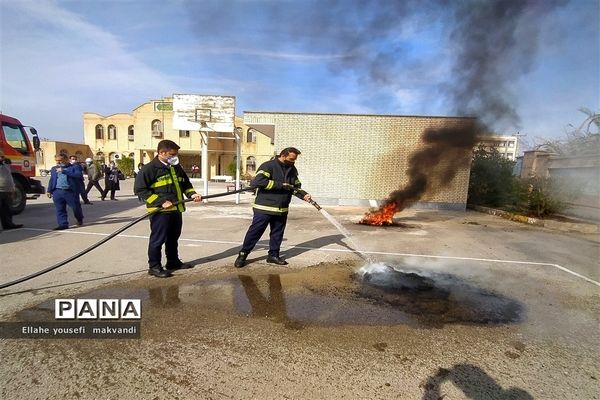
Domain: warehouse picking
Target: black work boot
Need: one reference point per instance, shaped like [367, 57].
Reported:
[240, 261]
[177, 264]
[159, 272]
[276, 260]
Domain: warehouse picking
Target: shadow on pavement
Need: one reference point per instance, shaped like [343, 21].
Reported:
[294, 251]
[71, 283]
[42, 216]
[474, 382]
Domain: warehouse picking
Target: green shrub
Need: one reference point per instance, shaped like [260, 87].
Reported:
[543, 197]
[491, 182]
[125, 164]
[231, 169]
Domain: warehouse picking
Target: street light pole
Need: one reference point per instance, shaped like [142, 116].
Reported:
[204, 135]
[238, 155]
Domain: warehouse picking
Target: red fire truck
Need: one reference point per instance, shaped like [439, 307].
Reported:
[19, 151]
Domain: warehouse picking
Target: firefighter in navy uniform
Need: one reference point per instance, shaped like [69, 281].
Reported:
[160, 183]
[276, 181]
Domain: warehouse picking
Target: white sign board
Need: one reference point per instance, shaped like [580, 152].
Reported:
[190, 110]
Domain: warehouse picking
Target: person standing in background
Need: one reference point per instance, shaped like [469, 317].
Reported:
[111, 179]
[63, 189]
[94, 174]
[80, 182]
[195, 171]
[7, 188]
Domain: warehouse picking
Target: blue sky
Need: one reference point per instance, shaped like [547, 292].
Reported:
[62, 58]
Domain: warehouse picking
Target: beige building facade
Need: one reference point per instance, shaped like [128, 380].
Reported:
[137, 135]
[51, 148]
[350, 159]
[507, 146]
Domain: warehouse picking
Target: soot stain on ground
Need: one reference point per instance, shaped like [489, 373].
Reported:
[438, 299]
[323, 295]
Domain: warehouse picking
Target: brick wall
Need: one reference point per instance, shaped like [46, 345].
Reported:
[359, 159]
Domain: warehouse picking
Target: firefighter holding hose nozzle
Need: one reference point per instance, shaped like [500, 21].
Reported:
[276, 181]
[161, 183]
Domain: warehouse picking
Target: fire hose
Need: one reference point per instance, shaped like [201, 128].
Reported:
[107, 238]
[118, 231]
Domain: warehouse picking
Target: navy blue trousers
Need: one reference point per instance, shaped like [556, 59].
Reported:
[62, 199]
[257, 228]
[165, 228]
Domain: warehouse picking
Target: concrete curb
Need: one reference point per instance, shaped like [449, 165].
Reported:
[550, 224]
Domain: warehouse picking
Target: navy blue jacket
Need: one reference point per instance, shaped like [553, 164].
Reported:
[74, 175]
[272, 197]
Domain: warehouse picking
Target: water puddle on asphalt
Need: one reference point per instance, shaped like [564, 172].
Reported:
[324, 295]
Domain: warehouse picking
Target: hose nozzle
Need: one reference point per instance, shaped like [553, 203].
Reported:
[315, 204]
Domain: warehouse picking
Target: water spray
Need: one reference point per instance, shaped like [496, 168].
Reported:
[342, 230]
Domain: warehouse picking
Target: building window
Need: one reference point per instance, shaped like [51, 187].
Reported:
[184, 133]
[511, 144]
[99, 132]
[250, 136]
[112, 132]
[509, 156]
[157, 128]
[250, 165]
[130, 133]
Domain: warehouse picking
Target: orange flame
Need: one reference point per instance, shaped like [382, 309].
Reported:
[381, 217]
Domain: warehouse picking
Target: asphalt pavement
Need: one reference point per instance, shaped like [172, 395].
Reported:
[445, 304]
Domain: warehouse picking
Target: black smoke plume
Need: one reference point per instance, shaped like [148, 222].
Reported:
[491, 44]
[495, 42]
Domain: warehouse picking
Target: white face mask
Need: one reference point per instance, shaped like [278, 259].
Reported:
[73, 162]
[173, 160]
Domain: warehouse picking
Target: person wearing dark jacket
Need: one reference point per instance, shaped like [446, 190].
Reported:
[7, 188]
[161, 183]
[63, 189]
[276, 181]
[80, 182]
[94, 174]
[112, 176]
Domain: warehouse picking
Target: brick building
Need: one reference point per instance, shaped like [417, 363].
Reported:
[350, 159]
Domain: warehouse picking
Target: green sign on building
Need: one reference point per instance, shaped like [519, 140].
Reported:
[163, 106]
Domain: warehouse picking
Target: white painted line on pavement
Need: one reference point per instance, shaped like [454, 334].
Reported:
[559, 267]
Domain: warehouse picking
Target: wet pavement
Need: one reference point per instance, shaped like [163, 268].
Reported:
[372, 295]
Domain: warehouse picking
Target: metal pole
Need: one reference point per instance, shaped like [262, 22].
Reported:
[204, 135]
[238, 152]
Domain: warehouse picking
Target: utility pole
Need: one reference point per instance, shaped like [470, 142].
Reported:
[518, 136]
